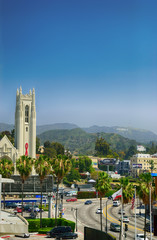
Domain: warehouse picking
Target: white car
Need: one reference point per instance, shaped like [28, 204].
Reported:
[121, 211]
[99, 211]
[140, 236]
[125, 219]
[116, 203]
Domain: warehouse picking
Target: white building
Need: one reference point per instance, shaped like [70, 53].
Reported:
[142, 163]
[141, 148]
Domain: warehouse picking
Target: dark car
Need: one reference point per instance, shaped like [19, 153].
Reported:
[110, 197]
[62, 232]
[148, 227]
[10, 205]
[88, 202]
[115, 227]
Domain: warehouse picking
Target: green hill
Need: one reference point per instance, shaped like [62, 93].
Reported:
[80, 142]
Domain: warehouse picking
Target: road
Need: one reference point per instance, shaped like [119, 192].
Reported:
[87, 216]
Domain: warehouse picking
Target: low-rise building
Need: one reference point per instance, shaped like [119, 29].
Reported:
[143, 163]
[123, 167]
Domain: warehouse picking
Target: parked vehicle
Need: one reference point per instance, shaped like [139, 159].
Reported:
[10, 205]
[18, 210]
[116, 203]
[23, 235]
[62, 232]
[88, 202]
[148, 227]
[71, 200]
[115, 227]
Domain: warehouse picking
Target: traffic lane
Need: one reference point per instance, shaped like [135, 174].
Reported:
[113, 215]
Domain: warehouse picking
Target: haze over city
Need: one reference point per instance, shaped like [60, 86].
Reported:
[90, 62]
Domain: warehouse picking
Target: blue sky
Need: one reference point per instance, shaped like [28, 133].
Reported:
[91, 62]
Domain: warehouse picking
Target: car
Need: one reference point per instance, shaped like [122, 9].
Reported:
[71, 200]
[10, 205]
[116, 203]
[62, 232]
[88, 202]
[125, 219]
[148, 227]
[140, 236]
[69, 194]
[67, 235]
[99, 211]
[35, 208]
[115, 227]
[110, 197]
[23, 235]
[123, 211]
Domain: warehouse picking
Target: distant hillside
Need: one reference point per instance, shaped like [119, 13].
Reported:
[80, 142]
[6, 127]
[44, 128]
[139, 135]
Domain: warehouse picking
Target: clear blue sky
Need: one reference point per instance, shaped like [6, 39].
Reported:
[91, 62]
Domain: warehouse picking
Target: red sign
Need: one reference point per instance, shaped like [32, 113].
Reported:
[26, 146]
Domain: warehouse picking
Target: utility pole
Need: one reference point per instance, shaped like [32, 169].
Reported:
[76, 215]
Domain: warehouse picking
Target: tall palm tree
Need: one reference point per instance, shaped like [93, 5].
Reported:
[43, 168]
[6, 170]
[103, 185]
[60, 168]
[128, 189]
[24, 166]
[145, 182]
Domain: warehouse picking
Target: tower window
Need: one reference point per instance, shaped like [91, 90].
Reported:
[26, 129]
[26, 113]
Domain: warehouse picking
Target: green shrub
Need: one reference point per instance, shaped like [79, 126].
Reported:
[34, 225]
[44, 230]
[84, 195]
[48, 224]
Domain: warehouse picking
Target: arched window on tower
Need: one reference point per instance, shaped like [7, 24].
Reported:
[26, 113]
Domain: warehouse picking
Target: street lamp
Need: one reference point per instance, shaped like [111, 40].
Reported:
[76, 215]
[106, 215]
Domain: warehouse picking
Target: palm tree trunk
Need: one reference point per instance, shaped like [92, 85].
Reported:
[100, 212]
[41, 200]
[56, 205]
[22, 196]
[145, 222]
[4, 195]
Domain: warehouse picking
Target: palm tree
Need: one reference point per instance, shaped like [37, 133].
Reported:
[60, 168]
[24, 166]
[43, 168]
[6, 170]
[102, 186]
[145, 182]
[128, 189]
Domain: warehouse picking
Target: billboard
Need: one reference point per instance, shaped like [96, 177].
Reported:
[136, 165]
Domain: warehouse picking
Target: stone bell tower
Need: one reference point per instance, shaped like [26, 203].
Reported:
[25, 123]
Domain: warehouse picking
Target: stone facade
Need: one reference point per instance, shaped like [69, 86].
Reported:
[25, 123]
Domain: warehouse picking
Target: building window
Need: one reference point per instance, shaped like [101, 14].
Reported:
[26, 113]
[26, 129]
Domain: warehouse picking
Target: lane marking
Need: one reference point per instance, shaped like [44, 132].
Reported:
[115, 220]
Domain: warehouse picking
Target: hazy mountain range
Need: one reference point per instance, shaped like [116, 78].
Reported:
[139, 135]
